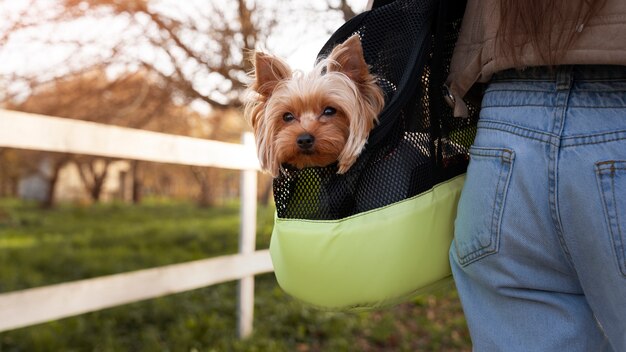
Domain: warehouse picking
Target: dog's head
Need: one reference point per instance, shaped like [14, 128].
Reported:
[313, 119]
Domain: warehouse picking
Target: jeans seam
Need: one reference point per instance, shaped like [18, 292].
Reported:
[479, 253]
[614, 229]
[501, 199]
[601, 90]
[519, 90]
[597, 107]
[617, 225]
[564, 83]
[506, 156]
[612, 136]
[494, 220]
[486, 250]
[517, 130]
[515, 105]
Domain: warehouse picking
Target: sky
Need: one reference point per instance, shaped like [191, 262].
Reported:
[298, 40]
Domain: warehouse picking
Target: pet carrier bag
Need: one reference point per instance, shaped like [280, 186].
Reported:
[381, 231]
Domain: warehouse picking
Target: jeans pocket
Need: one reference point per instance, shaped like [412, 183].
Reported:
[611, 176]
[477, 226]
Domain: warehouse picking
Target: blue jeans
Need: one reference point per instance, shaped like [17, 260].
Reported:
[539, 254]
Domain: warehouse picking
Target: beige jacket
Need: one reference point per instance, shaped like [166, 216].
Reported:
[600, 41]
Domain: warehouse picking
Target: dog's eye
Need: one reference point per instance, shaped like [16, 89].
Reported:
[328, 111]
[288, 117]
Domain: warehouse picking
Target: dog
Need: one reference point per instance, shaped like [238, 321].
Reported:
[315, 119]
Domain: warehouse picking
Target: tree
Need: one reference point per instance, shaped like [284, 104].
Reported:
[137, 100]
[9, 172]
[153, 53]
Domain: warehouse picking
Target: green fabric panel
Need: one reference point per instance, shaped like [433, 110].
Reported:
[369, 259]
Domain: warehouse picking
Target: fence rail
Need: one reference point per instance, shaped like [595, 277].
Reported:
[54, 134]
[41, 304]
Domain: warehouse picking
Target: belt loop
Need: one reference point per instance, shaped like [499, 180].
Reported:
[564, 77]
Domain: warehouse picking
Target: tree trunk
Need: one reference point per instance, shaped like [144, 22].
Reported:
[206, 198]
[53, 179]
[48, 201]
[137, 181]
[92, 179]
[96, 190]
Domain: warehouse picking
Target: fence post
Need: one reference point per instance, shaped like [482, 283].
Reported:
[247, 242]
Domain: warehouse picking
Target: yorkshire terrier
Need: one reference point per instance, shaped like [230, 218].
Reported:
[313, 119]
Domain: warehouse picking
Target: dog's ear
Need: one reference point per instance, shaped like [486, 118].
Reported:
[347, 58]
[266, 147]
[268, 71]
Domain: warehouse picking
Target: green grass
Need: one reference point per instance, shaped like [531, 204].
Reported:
[39, 247]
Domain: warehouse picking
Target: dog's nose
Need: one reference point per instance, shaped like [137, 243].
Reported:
[305, 141]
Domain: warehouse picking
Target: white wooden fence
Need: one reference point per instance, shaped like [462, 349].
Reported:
[45, 133]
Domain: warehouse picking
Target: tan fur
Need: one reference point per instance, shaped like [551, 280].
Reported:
[342, 81]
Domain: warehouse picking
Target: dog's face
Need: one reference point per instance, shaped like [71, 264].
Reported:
[313, 119]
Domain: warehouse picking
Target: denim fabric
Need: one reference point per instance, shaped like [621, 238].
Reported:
[539, 255]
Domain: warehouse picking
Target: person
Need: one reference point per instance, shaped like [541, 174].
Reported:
[539, 254]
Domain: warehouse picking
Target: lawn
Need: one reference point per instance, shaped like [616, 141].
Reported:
[40, 247]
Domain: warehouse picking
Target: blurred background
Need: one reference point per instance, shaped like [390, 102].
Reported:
[177, 67]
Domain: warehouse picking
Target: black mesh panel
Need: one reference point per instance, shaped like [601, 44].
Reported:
[417, 142]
